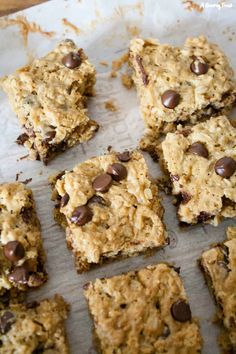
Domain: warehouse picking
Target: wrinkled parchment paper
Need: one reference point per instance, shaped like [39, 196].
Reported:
[104, 29]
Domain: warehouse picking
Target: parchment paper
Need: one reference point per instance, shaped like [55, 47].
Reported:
[105, 30]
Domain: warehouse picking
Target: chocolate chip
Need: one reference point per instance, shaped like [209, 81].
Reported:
[81, 215]
[6, 321]
[139, 61]
[96, 199]
[180, 311]
[14, 251]
[198, 149]
[174, 178]
[166, 331]
[117, 171]
[170, 99]
[26, 214]
[50, 136]
[204, 216]
[64, 200]
[157, 305]
[177, 269]
[19, 275]
[71, 60]
[22, 139]
[124, 156]
[102, 183]
[186, 132]
[199, 67]
[123, 306]
[185, 197]
[225, 167]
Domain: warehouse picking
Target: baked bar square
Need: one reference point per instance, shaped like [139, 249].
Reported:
[49, 98]
[180, 85]
[144, 311]
[109, 208]
[36, 327]
[219, 267]
[201, 163]
[22, 256]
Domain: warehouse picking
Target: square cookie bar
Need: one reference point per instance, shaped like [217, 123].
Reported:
[22, 256]
[109, 208]
[34, 327]
[145, 311]
[49, 99]
[201, 162]
[219, 267]
[180, 85]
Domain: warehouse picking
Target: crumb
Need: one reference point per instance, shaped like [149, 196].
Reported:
[191, 5]
[127, 81]
[18, 175]
[25, 27]
[40, 173]
[23, 157]
[26, 181]
[113, 74]
[104, 63]
[110, 106]
[134, 31]
[71, 25]
[118, 63]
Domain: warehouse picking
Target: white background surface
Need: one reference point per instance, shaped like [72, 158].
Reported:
[104, 36]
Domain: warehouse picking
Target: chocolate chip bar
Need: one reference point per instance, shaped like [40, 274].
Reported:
[219, 267]
[109, 208]
[49, 99]
[34, 327]
[201, 163]
[145, 311]
[22, 256]
[180, 85]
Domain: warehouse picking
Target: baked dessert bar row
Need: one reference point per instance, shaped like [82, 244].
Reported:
[109, 208]
[180, 85]
[49, 98]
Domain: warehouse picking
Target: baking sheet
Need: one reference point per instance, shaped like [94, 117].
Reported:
[104, 29]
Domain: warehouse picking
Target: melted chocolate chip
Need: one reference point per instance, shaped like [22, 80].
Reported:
[81, 215]
[96, 199]
[117, 171]
[6, 321]
[19, 275]
[123, 306]
[26, 214]
[204, 216]
[102, 183]
[124, 156]
[14, 251]
[50, 136]
[199, 67]
[64, 200]
[185, 197]
[180, 311]
[170, 99]
[71, 60]
[225, 167]
[22, 139]
[139, 61]
[198, 149]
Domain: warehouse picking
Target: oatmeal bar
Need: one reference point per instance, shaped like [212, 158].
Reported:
[34, 327]
[219, 267]
[180, 85]
[109, 208]
[22, 256]
[145, 311]
[49, 99]
[201, 162]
